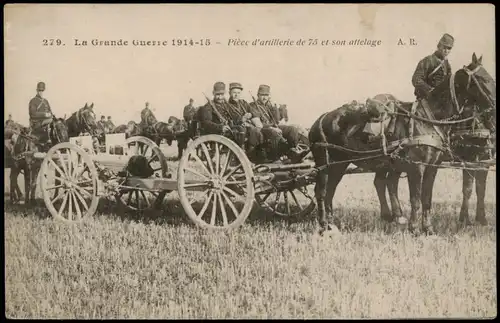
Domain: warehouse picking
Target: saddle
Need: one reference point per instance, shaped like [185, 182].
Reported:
[379, 118]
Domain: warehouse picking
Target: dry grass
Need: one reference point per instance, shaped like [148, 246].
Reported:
[121, 266]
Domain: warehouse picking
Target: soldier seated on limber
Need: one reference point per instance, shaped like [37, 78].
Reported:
[253, 137]
[218, 117]
[40, 115]
[280, 142]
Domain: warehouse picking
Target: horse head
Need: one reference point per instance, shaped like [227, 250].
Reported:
[131, 128]
[283, 112]
[476, 93]
[59, 130]
[86, 121]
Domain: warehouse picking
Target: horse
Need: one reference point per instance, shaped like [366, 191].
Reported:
[471, 141]
[419, 141]
[21, 158]
[84, 121]
[155, 130]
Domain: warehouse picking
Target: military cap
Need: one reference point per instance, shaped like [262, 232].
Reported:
[219, 88]
[264, 89]
[40, 86]
[447, 40]
[235, 85]
[103, 117]
[109, 117]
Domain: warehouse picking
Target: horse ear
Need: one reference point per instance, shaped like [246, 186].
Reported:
[480, 60]
[92, 105]
[86, 106]
[474, 58]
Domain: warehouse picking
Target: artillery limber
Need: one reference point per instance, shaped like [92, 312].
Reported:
[216, 183]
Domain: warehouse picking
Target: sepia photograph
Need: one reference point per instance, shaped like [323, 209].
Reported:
[250, 161]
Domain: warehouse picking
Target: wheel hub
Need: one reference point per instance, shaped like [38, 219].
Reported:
[217, 183]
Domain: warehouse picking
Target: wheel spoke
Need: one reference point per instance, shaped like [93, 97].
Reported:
[217, 160]
[232, 171]
[205, 205]
[63, 163]
[137, 199]
[266, 197]
[50, 188]
[233, 193]
[223, 210]
[191, 185]
[58, 197]
[196, 173]
[296, 201]
[56, 167]
[82, 200]
[145, 198]
[63, 205]
[129, 197]
[278, 195]
[202, 164]
[230, 203]
[224, 168]
[70, 206]
[287, 204]
[236, 182]
[207, 156]
[214, 210]
[84, 191]
[77, 207]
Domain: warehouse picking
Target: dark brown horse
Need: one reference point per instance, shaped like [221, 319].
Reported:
[130, 129]
[155, 130]
[417, 142]
[84, 122]
[22, 158]
[474, 141]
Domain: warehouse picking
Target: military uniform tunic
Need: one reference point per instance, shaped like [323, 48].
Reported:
[267, 112]
[210, 121]
[430, 72]
[39, 108]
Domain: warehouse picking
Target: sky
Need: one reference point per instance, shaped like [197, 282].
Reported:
[309, 79]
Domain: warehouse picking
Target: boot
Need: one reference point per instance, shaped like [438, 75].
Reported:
[49, 141]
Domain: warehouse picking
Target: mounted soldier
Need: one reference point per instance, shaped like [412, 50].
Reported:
[148, 120]
[431, 71]
[40, 115]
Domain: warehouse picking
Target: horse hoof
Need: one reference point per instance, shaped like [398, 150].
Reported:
[387, 218]
[329, 231]
[401, 220]
[428, 230]
[465, 222]
[414, 229]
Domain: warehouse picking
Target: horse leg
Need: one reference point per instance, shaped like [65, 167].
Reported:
[415, 175]
[319, 156]
[380, 186]
[34, 176]
[481, 177]
[335, 174]
[467, 182]
[392, 186]
[427, 186]
[14, 187]
[27, 182]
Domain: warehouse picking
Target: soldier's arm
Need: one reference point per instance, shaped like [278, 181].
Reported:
[206, 121]
[418, 79]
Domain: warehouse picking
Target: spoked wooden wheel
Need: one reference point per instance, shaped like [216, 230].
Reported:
[216, 189]
[69, 183]
[138, 199]
[294, 203]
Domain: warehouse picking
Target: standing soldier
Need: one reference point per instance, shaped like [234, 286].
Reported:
[189, 112]
[40, 114]
[110, 125]
[432, 70]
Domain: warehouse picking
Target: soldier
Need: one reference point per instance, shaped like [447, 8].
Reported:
[253, 134]
[102, 123]
[283, 138]
[8, 120]
[218, 117]
[189, 112]
[432, 70]
[40, 114]
[110, 125]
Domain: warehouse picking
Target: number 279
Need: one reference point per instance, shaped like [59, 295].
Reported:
[52, 42]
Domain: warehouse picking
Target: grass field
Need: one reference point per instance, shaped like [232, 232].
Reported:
[126, 266]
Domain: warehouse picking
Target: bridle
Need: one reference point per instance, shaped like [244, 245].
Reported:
[80, 119]
[471, 79]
